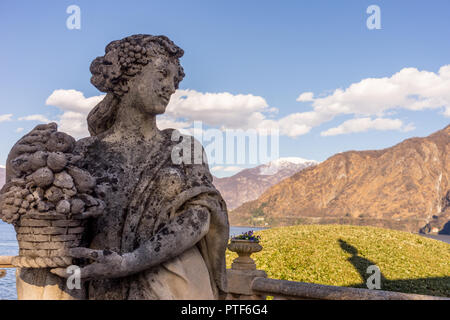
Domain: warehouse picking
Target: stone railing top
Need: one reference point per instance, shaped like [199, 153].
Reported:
[6, 262]
[301, 290]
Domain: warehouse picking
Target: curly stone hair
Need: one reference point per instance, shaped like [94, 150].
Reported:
[123, 60]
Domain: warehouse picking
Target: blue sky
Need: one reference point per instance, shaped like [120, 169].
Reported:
[275, 50]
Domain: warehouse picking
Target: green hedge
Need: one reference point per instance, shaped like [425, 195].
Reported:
[339, 255]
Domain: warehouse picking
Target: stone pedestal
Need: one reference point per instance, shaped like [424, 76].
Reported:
[243, 271]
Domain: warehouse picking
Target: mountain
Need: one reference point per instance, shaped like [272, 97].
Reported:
[2, 176]
[249, 184]
[403, 187]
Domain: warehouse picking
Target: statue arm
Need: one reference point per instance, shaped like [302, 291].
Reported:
[182, 233]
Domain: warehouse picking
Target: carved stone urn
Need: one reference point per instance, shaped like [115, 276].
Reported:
[244, 248]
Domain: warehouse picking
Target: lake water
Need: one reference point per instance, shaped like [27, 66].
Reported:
[440, 237]
[9, 247]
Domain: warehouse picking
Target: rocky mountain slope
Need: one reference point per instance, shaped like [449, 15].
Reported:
[249, 184]
[402, 187]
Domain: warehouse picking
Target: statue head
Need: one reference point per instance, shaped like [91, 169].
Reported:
[142, 70]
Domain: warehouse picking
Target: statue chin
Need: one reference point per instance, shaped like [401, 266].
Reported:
[155, 110]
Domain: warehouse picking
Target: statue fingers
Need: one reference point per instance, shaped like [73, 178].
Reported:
[60, 272]
[86, 253]
[92, 271]
[84, 273]
[93, 212]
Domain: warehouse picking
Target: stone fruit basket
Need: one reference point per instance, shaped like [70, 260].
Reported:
[46, 198]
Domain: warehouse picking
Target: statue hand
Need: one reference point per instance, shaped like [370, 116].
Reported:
[106, 265]
[93, 212]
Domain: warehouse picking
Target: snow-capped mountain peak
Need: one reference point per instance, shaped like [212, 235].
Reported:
[291, 163]
[249, 184]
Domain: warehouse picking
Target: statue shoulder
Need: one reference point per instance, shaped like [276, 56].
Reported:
[170, 181]
[84, 143]
[82, 147]
[186, 150]
[175, 136]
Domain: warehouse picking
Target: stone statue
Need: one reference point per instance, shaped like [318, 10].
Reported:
[163, 228]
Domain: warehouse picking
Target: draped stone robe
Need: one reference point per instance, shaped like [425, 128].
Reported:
[144, 191]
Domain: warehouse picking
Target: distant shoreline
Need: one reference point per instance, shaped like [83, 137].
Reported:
[440, 237]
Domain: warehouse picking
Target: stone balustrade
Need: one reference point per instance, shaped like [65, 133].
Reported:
[291, 290]
[245, 282]
[5, 262]
[243, 271]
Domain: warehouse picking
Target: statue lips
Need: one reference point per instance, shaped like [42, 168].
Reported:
[165, 99]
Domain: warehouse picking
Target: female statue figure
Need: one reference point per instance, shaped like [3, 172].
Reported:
[164, 231]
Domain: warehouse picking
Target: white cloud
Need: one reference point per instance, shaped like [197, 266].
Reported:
[371, 101]
[73, 100]
[214, 109]
[5, 117]
[164, 122]
[446, 112]
[36, 117]
[18, 130]
[306, 96]
[408, 89]
[74, 123]
[409, 127]
[365, 124]
[240, 111]
[75, 107]
[218, 109]
[185, 127]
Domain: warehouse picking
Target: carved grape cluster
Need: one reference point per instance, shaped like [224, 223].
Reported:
[125, 58]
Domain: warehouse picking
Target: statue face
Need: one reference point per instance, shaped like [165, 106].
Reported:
[150, 90]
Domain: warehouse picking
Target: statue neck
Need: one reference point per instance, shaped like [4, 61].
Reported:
[131, 124]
